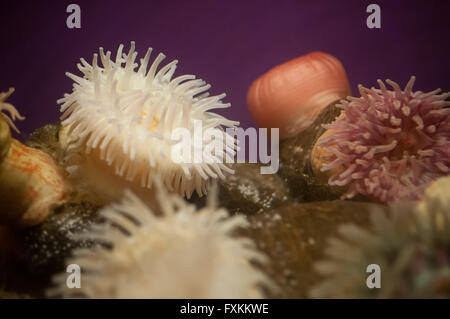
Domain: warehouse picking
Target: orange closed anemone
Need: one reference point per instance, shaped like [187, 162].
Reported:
[291, 95]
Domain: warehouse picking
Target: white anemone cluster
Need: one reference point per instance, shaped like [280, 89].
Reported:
[182, 253]
[124, 112]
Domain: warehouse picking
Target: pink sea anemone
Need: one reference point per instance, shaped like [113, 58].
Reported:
[389, 144]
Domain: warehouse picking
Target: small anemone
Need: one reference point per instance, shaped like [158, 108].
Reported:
[183, 253]
[389, 144]
[14, 114]
[125, 113]
[411, 244]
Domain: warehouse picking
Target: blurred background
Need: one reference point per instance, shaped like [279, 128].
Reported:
[227, 43]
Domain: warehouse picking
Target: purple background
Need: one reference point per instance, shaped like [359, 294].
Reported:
[227, 43]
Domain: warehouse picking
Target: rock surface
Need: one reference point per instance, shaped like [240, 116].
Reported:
[295, 168]
[248, 192]
[39, 252]
[44, 248]
[294, 236]
[46, 138]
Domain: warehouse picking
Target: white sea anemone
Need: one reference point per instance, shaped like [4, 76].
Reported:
[183, 253]
[410, 243]
[124, 118]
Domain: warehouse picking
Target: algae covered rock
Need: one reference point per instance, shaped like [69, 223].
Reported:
[12, 295]
[295, 157]
[46, 138]
[249, 192]
[42, 249]
[293, 237]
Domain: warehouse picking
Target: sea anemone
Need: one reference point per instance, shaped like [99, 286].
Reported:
[411, 248]
[439, 190]
[183, 253]
[122, 120]
[31, 183]
[388, 145]
[11, 109]
[291, 95]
